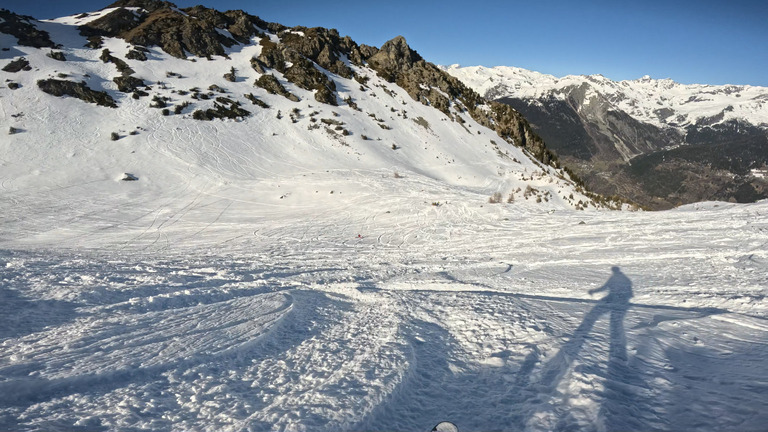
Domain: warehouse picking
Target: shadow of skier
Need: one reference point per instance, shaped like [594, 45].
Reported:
[616, 303]
[619, 289]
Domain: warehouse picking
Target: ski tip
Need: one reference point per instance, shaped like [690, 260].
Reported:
[445, 426]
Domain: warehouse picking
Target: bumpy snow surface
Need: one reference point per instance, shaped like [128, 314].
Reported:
[260, 275]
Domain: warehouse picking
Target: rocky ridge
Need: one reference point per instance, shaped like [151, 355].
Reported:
[312, 54]
[284, 59]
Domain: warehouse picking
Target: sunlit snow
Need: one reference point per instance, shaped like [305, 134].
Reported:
[260, 275]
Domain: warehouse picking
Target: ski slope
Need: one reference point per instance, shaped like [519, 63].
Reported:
[483, 318]
[261, 275]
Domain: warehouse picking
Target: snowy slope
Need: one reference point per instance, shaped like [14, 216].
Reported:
[64, 169]
[262, 275]
[661, 102]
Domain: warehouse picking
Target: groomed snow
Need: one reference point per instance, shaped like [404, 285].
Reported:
[263, 276]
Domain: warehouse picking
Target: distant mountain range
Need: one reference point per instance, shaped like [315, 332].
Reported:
[656, 142]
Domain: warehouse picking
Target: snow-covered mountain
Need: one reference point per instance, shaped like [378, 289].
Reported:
[209, 222]
[660, 102]
[692, 131]
[260, 122]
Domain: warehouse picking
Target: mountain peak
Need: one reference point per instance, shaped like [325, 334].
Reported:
[393, 57]
[148, 5]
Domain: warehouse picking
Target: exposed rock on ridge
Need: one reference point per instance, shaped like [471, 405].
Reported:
[159, 23]
[427, 83]
[19, 26]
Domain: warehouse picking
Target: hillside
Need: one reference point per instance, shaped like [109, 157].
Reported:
[657, 142]
[246, 121]
[210, 222]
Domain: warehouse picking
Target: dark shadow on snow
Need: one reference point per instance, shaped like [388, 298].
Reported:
[22, 316]
[433, 390]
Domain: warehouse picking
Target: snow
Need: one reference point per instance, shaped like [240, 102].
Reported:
[645, 99]
[264, 276]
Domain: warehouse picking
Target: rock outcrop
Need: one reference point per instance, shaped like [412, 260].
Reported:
[21, 28]
[196, 31]
[425, 82]
[79, 90]
[272, 85]
[16, 65]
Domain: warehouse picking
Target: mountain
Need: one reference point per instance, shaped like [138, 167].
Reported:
[656, 142]
[210, 222]
[224, 104]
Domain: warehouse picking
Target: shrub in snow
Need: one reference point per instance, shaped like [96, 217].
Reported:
[231, 75]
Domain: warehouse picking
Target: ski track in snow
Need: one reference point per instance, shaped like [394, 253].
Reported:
[262, 275]
[306, 327]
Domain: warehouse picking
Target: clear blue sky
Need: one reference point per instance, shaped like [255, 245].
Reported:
[709, 42]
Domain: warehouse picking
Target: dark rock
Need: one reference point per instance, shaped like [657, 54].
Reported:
[129, 177]
[256, 101]
[258, 66]
[394, 57]
[79, 90]
[128, 84]
[271, 55]
[17, 65]
[273, 86]
[137, 53]
[326, 96]
[321, 46]
[22, 28]
[304, 74]
[113, 24]
[94, 42]
[221, 111]
[122, 66]
[196, 31]
[230, 76]
[57, 55]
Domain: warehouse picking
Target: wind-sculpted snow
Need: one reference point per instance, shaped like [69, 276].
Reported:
[532, 321]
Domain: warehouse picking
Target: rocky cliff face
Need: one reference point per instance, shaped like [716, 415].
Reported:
[655, 142]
